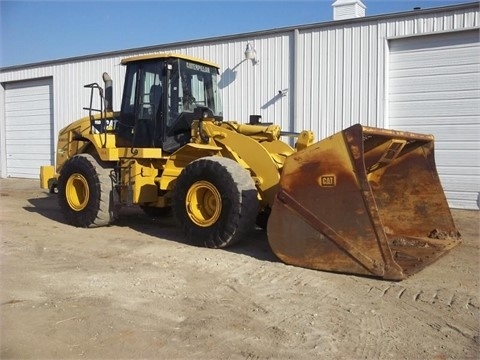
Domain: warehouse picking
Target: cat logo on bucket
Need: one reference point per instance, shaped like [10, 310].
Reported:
[328, 181]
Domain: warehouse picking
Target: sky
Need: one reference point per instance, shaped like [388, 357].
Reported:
[36, 31]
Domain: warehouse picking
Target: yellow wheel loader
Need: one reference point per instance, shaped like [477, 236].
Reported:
[364, 201]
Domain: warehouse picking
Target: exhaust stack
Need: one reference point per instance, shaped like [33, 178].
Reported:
[108, 92]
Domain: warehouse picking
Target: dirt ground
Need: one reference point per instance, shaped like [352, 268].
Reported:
[137, 290]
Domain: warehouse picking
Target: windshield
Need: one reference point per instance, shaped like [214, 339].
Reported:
[192, 85]
[160, 98]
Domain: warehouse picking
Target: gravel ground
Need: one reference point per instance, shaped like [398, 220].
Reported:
[137, 290]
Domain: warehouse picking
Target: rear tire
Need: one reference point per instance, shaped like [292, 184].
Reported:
[215, 202]
[85, 192]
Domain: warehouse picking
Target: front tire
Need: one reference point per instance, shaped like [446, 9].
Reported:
[215, 202]
[85, 192]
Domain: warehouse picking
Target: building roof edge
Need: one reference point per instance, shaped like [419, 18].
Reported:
[247, 35]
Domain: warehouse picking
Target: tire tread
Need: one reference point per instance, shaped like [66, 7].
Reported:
[240, 188]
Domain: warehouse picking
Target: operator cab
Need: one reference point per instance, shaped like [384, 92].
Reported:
[160, 97]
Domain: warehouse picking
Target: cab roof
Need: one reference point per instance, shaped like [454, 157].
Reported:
[166, 56]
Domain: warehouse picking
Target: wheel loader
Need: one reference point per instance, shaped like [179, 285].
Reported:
[363, 201]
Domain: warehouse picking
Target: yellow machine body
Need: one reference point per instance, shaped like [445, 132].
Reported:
[364, 201]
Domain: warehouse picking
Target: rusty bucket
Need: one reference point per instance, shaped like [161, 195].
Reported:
[364, 201]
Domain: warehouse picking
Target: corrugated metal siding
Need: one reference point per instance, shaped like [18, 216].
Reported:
[340, 80]
[341, 72]
[252, 87]
[69, 96]
[247, 88]
[342, 68]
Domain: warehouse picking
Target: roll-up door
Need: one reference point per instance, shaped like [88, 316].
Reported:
[434, 87]
[28, 127]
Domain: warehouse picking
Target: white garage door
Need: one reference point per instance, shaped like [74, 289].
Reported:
[29, 126]
[434, 87]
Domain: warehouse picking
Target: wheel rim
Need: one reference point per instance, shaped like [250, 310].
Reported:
[77, 192]
[203, 203]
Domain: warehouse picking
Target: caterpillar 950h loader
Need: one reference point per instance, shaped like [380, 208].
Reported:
[364, 201]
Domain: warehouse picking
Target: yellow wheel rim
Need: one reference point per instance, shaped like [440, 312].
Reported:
[77, 192]
[203, 203]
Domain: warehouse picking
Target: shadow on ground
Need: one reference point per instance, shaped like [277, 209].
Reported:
[254, 245]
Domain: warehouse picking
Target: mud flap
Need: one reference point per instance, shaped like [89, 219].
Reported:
[364, 201]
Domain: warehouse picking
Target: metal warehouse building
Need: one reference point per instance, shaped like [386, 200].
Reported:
[417, 71]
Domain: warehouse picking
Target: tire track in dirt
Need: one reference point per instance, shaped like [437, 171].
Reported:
[453, 309]
[304, 295]
[320, 328]
[370, 341]
[254, 291]
[435, 297]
